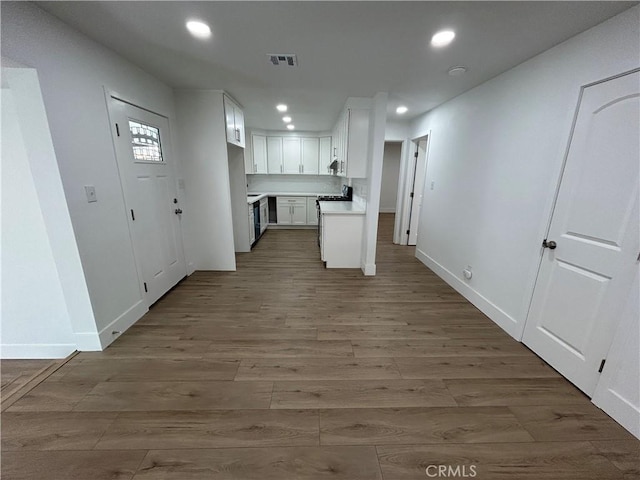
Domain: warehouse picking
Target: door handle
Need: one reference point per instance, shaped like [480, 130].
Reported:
[178, 211]
[551, 245]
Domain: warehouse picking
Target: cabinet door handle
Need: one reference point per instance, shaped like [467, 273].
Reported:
[255, 167]
[237, 134]
[280, 168]
[302, 168]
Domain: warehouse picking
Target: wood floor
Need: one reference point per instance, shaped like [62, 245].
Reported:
[286, 370]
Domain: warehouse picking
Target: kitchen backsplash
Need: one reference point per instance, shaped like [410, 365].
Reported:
[360, 188]
[294, 183]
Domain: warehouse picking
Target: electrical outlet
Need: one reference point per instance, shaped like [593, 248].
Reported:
[90, 191]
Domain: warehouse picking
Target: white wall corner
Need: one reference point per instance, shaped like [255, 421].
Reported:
[88, 342]
[491, 310]
[369, 269]
[377, 125]
[116, 328]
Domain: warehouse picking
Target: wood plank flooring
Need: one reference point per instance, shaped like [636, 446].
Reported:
[286, 370]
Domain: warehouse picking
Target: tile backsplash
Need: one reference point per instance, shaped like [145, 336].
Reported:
[294, 183]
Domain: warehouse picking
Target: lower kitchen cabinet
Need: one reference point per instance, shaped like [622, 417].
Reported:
[292, 210]
[341, 240]
[264, 214]
[252, 230]
[312, 212]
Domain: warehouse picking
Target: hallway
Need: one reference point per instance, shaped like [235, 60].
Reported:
[287, 370]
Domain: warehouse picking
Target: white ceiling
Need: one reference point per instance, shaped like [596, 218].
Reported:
[344, 48]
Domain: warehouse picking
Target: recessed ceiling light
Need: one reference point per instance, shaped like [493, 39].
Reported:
[198, 29]
[442, 38]
[458, 70]
[286, 119]
[401, 110]
[291, 127]
[282, 107]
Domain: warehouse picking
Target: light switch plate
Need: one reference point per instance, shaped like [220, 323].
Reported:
[90, 191]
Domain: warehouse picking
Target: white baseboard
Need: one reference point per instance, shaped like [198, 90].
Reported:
[500, 317]
[33, 351]
[121, 324]
[618, 408]
[369, 269]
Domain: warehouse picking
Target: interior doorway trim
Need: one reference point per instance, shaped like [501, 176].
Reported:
[405, 185]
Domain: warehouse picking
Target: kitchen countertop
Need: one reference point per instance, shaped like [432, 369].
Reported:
[259, 196]
[341, 208]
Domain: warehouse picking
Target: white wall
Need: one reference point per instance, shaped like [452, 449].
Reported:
[397, 131]
[390, 173]
[326, 184]
[377, 126]
[495, 159]
[73, 71]
[34, 316]
[239, 206]
[202, 146]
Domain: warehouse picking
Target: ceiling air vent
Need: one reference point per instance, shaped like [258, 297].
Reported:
[283, 59]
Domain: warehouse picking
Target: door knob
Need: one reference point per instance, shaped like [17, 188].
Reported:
[551, 245]
[179, 211]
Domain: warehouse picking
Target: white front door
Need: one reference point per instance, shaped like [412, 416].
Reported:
[583, 282]
[417, 190]
[143, 151]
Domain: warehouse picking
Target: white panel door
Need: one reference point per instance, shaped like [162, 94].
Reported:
[417, 191]
[583, 281]
[310, 155]
[143, 152]
[259, 149]
[291, 155]
[274, 154]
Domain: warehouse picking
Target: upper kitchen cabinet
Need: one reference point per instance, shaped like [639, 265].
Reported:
[324, 153]
[235, 122]
[274, 154]
[309, 157]
[351, 142]
[291, 155]
[259, 149]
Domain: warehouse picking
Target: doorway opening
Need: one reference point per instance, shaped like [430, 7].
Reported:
[411, 184]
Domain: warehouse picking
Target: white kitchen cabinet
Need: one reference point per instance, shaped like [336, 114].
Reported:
[324, 156]
[274, 154]
[291, 155]
[252, 229]
[234, 119]
[351, 137]
[259, 151]
[312, 214]
[264, 214]
[341, 240]
[292, 210]
[310, 156]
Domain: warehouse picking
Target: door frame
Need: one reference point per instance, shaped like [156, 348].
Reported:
[114, 95]
[405, 184]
